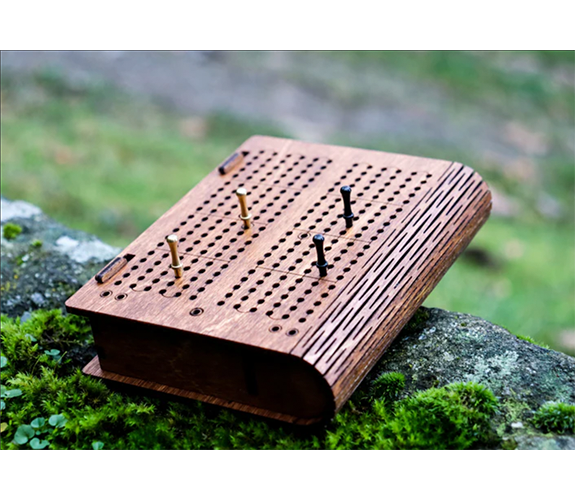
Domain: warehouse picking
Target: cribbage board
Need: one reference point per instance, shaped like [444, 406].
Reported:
[252, 324]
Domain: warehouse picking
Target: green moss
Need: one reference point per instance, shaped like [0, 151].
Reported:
[25, 343]
[10, 230]
[388, 386]
[555, 417]
[39, 382]
[513, 410]
[526, 338]
[457, 416]
[416, 321]
[453, 417]
[509, 444]
[36, 244]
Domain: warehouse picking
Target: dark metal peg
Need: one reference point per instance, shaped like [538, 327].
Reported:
[321, 263]
[347, 213]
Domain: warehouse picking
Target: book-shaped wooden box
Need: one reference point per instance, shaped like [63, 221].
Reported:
[281, 311]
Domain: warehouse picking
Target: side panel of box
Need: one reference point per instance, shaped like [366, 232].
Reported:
[223, 369]
[407, 267]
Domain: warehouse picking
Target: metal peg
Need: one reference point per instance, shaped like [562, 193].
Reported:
[176, 264]
[244, 212]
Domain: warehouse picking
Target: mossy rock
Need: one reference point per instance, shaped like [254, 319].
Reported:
[438, 348]
[399, 409]
[449, 381]
[43, 262]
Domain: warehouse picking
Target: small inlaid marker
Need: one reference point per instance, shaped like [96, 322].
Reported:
[347, 213]
[230, 163]
[111, 269]
[244, 212]
[321, 263]
[176, 264]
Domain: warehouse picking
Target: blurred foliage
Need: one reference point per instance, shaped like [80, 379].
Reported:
[108, 163]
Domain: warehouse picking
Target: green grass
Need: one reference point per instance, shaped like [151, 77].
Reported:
[48, 403]
[488, 78]
[530, 286]
[530, 290]
[101, 161]
[533, 90]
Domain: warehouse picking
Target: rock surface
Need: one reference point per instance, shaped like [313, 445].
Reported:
[436, 348]
[440, 347]
[47, 262]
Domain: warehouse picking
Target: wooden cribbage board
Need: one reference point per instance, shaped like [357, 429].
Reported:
[251, 325]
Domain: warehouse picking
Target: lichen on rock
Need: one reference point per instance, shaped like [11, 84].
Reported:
[37, 269]
[439, 347]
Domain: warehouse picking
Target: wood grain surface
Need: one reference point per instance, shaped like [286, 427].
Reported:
[259, 289]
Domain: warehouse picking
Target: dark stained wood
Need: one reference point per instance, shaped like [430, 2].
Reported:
[251, 322]
[94, 369]
[210, 366]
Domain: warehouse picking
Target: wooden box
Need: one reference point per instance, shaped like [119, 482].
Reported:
[251, 325]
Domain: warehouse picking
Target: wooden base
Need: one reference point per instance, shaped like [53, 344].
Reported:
[253, 323]
[94, 369]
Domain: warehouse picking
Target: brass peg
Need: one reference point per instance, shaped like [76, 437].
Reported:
[176, 264]
[245, 213]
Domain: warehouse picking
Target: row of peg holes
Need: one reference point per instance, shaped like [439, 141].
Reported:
[305, 253]
[136, 267]
[337, 258]
[299, 280]
[109, 293]
[233, 208]
[253, 202]
[360, 190]
[210, 244]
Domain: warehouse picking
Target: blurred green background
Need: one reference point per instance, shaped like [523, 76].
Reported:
[107, 142]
